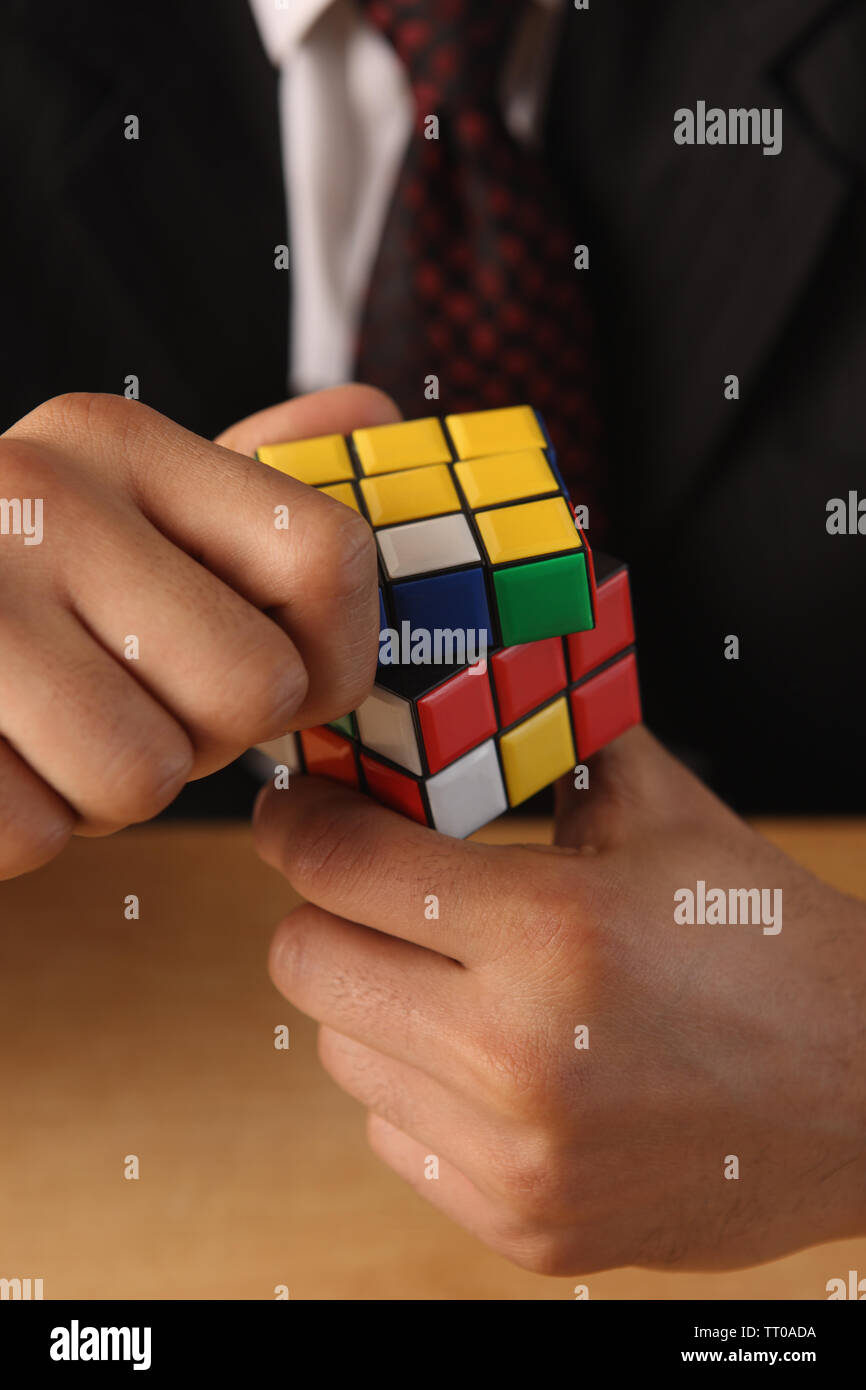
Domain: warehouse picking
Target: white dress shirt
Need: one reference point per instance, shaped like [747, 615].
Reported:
[346, 120]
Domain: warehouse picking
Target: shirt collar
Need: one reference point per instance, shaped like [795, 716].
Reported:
[283, 23]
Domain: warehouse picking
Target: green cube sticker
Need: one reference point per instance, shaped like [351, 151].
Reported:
[345, 724]
[546, 598]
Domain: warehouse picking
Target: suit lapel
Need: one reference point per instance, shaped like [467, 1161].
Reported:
[723, 239]
[825, 79]
[175, 231]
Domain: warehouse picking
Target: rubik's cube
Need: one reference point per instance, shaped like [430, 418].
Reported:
[475, 534]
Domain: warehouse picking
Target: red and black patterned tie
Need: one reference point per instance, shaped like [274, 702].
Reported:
[475, 280]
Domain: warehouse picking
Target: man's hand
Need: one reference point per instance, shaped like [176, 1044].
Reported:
[705, 1043]
[164, 623]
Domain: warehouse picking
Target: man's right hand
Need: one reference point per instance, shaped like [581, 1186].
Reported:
[165, 623]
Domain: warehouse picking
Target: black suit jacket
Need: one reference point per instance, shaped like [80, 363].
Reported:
[156, 258]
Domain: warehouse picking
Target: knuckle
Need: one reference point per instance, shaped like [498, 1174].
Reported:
[326, 853]
[24, 468]
[144, 778]
[29, 848]
[88, 412]
[351, 675]
[541, 1252]
[331, 1052]
[288, 955]
[339, 558]
[78, 427]
[267, 687]
[506, 1068]
[531, 1178]
[377, 1131]
[276, 689]
[343, 553]
[341, 1057]
[70, 408]
[358, 1072]
[275, 707]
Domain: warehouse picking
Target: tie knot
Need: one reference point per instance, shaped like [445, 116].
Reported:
[453, 50]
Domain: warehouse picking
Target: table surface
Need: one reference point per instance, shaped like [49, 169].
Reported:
[155, 1038]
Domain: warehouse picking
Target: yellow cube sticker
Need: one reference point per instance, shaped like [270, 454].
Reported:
[410, 495]
[505, 477]
[342, 492]
[408, 444]
[528, 530]
[495, 431]
[313, 461]
[537, 751]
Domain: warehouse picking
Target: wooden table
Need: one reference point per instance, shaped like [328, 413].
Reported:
[155, 1038]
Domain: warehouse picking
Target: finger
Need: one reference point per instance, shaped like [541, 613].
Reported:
[360, 860]
[402, 1094]
[391, 995]
[431, 1175]
[35, 824]
[339, 410]
[413, 1100]
[108, 749]
[232, 680]
[480, 1142]
[449, 1190]
[292, 551]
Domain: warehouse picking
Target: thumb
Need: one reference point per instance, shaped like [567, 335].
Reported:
[338, 410]
[634, 783]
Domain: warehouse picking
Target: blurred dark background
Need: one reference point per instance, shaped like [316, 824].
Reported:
[156, 258]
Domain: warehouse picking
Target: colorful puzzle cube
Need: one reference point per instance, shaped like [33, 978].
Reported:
[454, 745]
[475, 535]
[473, 524]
